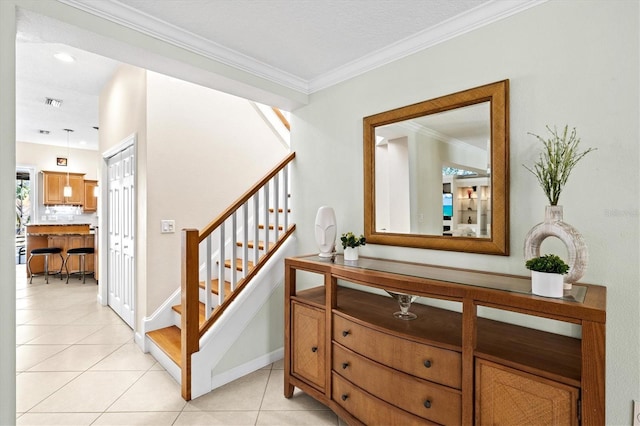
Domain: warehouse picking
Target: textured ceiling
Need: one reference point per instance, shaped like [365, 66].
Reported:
[302, 44]
[304, 38]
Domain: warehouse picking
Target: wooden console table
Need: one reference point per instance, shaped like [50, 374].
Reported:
[344, 348]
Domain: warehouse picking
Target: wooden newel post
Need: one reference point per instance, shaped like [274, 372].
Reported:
[190, 333]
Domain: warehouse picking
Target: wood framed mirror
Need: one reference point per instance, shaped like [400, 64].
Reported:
[436, 173]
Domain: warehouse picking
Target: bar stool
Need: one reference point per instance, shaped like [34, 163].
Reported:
[82, 252]
[46, 252]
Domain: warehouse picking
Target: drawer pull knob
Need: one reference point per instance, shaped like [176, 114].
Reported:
[345, 365]
[427, 404]
[344, 396]
[314, 349]
[427, 363]
[345, 333]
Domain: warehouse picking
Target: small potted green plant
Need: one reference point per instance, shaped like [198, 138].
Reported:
[547, 273]
[350, 244]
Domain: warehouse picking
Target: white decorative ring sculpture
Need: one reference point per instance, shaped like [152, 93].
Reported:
[553, 226]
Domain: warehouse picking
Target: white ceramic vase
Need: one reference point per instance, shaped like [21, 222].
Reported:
[546, 284]
[554, 226]
[351, 253]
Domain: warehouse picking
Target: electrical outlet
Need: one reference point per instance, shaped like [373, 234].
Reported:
[168, 226]
[636, 413]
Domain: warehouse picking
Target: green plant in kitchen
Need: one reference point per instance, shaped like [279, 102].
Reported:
[349, 239]
[548, 263]
[560, 155]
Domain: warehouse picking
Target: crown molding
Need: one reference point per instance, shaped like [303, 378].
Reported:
[121, 14]
[475, 18]
[485, 14]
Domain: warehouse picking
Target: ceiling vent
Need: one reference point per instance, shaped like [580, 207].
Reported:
[53, 102]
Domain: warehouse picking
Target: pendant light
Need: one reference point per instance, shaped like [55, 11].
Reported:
[67, 191]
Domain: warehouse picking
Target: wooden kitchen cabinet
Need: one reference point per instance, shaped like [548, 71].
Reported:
[449, 366]
[77, 241]
[53, 188]
[90, 200]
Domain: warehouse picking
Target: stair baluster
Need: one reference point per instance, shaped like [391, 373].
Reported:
[276, 205]
[285, 196]
[222, 255]
[234, 250]
[208, 303]
[245, 240]
[256, 226]
[265, 208]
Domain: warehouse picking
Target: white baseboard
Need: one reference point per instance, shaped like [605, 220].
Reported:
[246, 368]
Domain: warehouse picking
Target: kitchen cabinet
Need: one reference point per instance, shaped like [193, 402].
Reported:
[53, 188]
[451, 365]
[90, 199]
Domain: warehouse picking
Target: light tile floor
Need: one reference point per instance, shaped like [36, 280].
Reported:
[77, 364]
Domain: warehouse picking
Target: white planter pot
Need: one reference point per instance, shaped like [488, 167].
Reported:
[351, 253]
[545, 284]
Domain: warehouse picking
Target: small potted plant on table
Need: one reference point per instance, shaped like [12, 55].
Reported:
[547, 275]
[350, 244]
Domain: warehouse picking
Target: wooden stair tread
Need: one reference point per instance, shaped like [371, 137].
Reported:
[214, 286]
[201, 312]
[271, 210]
[168, 339]
[227, 264]
[271, 227]
[251, 244]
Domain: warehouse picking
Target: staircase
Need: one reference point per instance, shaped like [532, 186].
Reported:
[229, 269]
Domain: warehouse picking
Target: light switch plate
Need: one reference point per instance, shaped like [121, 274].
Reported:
[636, 413]
[168, 226]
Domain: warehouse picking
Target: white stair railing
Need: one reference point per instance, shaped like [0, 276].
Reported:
[259, 217]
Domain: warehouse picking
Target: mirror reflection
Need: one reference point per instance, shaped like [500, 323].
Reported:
[433, 174]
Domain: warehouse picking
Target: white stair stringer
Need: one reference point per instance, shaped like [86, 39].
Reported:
[221, 336]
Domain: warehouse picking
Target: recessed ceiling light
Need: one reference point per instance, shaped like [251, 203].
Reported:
[64, 57]
[53, 102]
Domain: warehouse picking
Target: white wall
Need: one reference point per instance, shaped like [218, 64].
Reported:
[198, 151]
[44, 158]
[204, 150]
[121, 113]
[568, 62]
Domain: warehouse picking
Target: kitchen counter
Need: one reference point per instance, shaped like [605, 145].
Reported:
[65, 236]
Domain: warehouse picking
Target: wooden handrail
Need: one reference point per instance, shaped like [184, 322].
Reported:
[244, 198]
[282, 118]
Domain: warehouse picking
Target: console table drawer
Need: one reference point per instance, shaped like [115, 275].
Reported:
[369, 409]
[420, 397]
[424, 361]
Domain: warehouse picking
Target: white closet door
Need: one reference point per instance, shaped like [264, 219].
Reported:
[121, 220]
